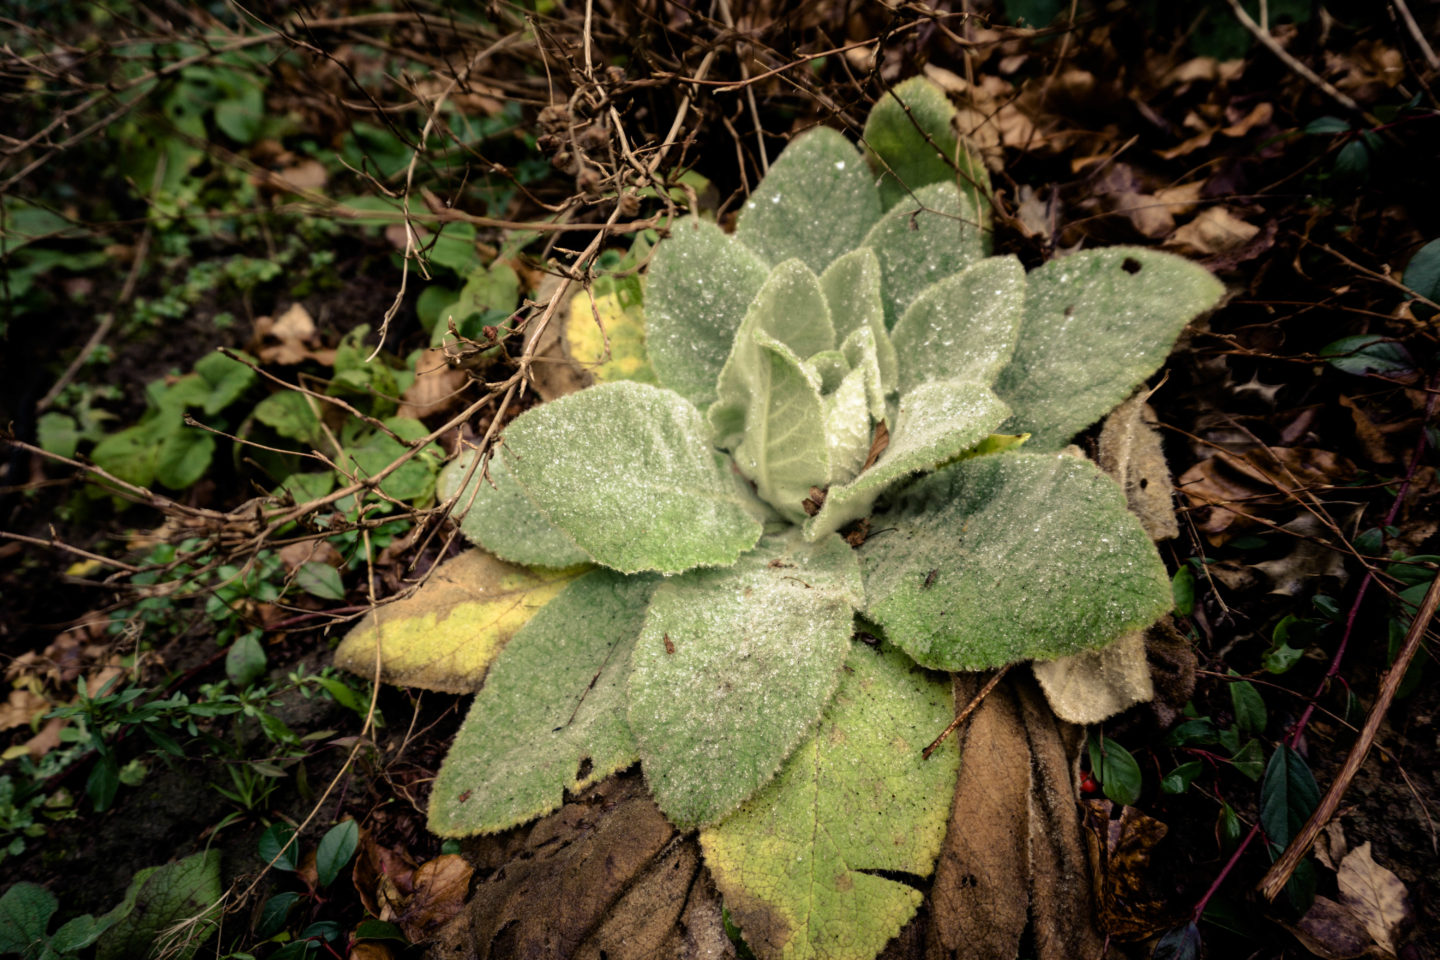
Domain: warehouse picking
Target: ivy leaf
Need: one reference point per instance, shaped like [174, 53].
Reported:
[157, 899]
[852, 288]
[937, 422]
[910, 141]
[964, 327]
[551, 716]
[625, 470]
[734, 667]
[696, 294]
[1011, 557]
[446, 634]
[496, 514]
[816, 203]
[184, 457]
[922, 242]
[1097, 323]
[225, 379]
[808, 866]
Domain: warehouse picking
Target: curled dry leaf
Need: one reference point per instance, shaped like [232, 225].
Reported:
[436, 388]
[289, 339]
[1230, 488]
[20, 708]
[1131, 451]
[440, 888]
[1122, 857]
[383, 877]
[1215, 230]
[1295, 573]
[1330, 930]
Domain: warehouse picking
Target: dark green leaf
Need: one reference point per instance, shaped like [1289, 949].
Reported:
[25, 912]
[1249, 706]
[1116, 770]
[290, 414]
[184, 457]
[1353, 160]
[245, 661]
[327, 930]
[1369, 354]
[1182, 943]
[274, 914]
[103, 783]
[78, 934]
[1280, 658]
[1228, 826]
[225, 378]
[1327, 125]
[1371, 541]
[298, 950]
[275, 837]
[379, 930]
[1249, 760]
[1195, 732]
[1288, 795]
[320, 580]
[1179, 779]
[157, 899]
[1182, 586]
[1422, 274]
[335, 850]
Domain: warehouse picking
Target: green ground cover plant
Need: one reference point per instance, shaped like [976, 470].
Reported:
[857, 423]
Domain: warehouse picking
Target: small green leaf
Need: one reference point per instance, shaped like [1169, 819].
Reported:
[57, 433]
[551, 716]
[1047, 539]
[103, 782]
[1422, 273]
[1116, 770]
[812, 866]
[414, 479]
[816, 203]
[733, 668]
[697, 291]
[320, 580]
[184, 457]
[1097, 323]
[291, 414]
[129, 454]
[1182, 588]
[274, 914]
[335, 850]
[276, 836]
[496, 514]
[922, 241]
[1288, 795]
[1229, 827]
[1249, 706]
[245, 661]
[25, 912]
[379, 930]
[225, 379]
[77, 934]
[625, 470]
[157, 899]
[1325, 126]
[1280, 658]
[910, 141]
[1181, 943]
[1249, 760]
[1367, 355]
[1179, 779]
[963, 327]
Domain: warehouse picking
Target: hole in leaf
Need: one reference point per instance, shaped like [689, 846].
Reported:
[1131, 265]
[585, 767]
[912, 880]
[1144, 482]
[967, 881]
[1070, 310]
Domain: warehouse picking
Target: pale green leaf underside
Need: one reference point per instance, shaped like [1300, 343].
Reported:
[937, 422]
[626, 471]
[757, 652]
[1010, 557]
[910, 150]
[784, 448]
[697, 289]
[862, 357]
[799, 864]
[817, 202]
[964, 327]
[502, 519]
[852, 288]
[539, 716]
[847, 414]
[1097, 323]
[922, 241]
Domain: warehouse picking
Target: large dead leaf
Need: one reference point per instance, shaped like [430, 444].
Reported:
[1122, 856]
[1377, 897]
[604, 876]
[1026, 847]
[1130, 450]
[446, 634]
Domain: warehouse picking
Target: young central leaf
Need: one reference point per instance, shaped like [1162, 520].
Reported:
[1011, 557]
[733, 668]
[805, 867]
[923, 241]
[551, 716]
[625, 470]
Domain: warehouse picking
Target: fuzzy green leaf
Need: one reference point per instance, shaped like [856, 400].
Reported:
[847, 414]
[937, 422]
[816, 203]
[805, 867]
[922, 241]
[1097, 323]
[625, 470]
[497, 515]
[964, 327]
[551, 716]
[696, 293]
[734, 667]
[852, 288]
[911, 141]
[1012, 557]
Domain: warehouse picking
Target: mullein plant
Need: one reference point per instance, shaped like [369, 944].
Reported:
[855, 431]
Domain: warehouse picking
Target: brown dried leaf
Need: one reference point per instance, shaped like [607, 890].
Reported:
[289, 339]
[383, 876]
[1377, 898]
[1130, 450]
[1295, 573]
[1215, 230]
[1236, 485]
[437, 386]
[1122, 852]
[21, 708]
[1370, 436]
[440, 888]
[1332, 931]
[296, 555]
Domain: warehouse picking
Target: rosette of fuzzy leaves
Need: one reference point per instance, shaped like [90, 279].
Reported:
[850, 359]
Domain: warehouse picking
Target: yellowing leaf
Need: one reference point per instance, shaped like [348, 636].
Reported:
[445, 636]
[617, 353]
